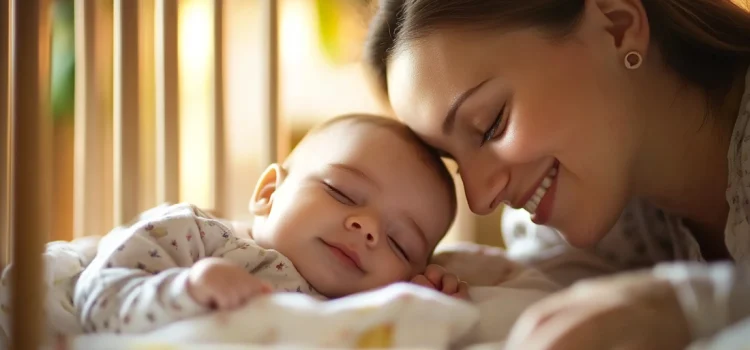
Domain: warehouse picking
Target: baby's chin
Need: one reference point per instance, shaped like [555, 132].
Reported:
[332, 290]
[333, 286]
[326, 282]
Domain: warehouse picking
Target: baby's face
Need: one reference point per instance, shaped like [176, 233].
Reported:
[360, 209]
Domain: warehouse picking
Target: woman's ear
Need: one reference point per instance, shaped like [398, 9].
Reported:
[268, 183]
[627, 23]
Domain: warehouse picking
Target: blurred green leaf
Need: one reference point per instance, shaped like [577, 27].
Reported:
[329, 19]
[62, 84]
[335, 21]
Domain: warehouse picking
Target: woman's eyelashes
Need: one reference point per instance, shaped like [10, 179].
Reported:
[495, 129]
[339, 195]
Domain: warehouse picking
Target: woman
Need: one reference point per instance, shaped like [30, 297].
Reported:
[623, 124]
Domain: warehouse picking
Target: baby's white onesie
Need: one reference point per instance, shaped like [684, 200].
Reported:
[137, 282]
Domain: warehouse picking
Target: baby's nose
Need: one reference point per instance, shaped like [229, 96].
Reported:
[364, 225]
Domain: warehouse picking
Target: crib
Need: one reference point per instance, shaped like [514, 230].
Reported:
[25, 126]
[108, 159]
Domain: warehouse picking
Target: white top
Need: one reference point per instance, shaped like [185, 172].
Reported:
[137, 281]
[712, 295]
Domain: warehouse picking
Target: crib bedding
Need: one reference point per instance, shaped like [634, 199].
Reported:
[398, 316]
[401, 315]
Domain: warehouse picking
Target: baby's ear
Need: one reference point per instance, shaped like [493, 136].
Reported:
[269, 182]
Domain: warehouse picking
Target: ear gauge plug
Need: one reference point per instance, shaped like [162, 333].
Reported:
[633, 60]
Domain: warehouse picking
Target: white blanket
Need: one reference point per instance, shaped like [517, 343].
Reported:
[399, 315]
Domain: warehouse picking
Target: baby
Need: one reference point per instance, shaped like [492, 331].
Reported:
[359, 204]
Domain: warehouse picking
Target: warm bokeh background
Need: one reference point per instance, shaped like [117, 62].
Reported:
[320, 76]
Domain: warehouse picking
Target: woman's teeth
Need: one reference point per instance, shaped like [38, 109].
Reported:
[533, 202]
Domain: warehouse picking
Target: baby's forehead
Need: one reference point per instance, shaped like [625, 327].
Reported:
[350, 136]
[382, 127]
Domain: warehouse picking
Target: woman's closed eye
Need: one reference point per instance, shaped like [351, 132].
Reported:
[339, 195]
[496, 128]
[397, 247]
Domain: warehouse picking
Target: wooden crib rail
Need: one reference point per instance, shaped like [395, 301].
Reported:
[126, 108]
[106, 155]
[31, 166]
[167, 103]
[5, 23]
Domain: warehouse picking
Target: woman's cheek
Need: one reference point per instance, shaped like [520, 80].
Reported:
[525, 140]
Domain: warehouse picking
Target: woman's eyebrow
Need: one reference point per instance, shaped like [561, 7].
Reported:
[450, 117]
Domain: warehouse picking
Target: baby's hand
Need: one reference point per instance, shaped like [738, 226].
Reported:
[219, 284]
[436, 277]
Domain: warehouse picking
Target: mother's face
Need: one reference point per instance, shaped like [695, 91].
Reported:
[533, 123]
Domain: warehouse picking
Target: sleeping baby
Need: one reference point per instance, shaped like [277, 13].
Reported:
[359, 204]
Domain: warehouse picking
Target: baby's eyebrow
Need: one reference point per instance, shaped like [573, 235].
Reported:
[355, 172]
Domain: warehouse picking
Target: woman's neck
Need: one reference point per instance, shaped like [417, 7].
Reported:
[683, 169]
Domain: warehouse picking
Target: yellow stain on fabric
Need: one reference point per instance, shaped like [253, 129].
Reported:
[380, 336]
[158, 232]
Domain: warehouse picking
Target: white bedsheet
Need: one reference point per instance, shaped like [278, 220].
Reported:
[400, 315]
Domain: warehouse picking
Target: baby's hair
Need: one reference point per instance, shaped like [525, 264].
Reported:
[428, 154]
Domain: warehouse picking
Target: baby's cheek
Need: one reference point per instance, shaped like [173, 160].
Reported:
[391, 270]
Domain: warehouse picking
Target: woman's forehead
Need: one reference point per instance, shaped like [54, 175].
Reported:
[424, 79]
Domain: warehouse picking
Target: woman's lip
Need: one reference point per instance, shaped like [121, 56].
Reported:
[544, 211]
[525, 199]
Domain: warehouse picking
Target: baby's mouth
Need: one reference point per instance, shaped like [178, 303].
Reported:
[345, 255]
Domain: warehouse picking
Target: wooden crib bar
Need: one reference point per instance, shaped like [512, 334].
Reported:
[31, 171]
[218, 186]
[89, 153]
[126, 108]
[274, 147]
[106, 155]
[4, 134]
[167, 103]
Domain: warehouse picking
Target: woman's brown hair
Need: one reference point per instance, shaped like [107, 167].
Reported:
[705, 41]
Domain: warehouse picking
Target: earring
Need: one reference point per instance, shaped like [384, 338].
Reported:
[633, 60]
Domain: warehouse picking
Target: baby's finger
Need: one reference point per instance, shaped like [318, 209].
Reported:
[463, 291]
[434, 274]
[266, 287]
[450, 283]
[422, 281]
[233, 294]
[254, 289]
[223, 301]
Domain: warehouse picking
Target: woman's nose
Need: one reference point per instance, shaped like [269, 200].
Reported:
[365, 225]
[484, 188]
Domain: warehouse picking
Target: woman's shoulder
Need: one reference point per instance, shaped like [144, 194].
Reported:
[643, 236]
[737, 232]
